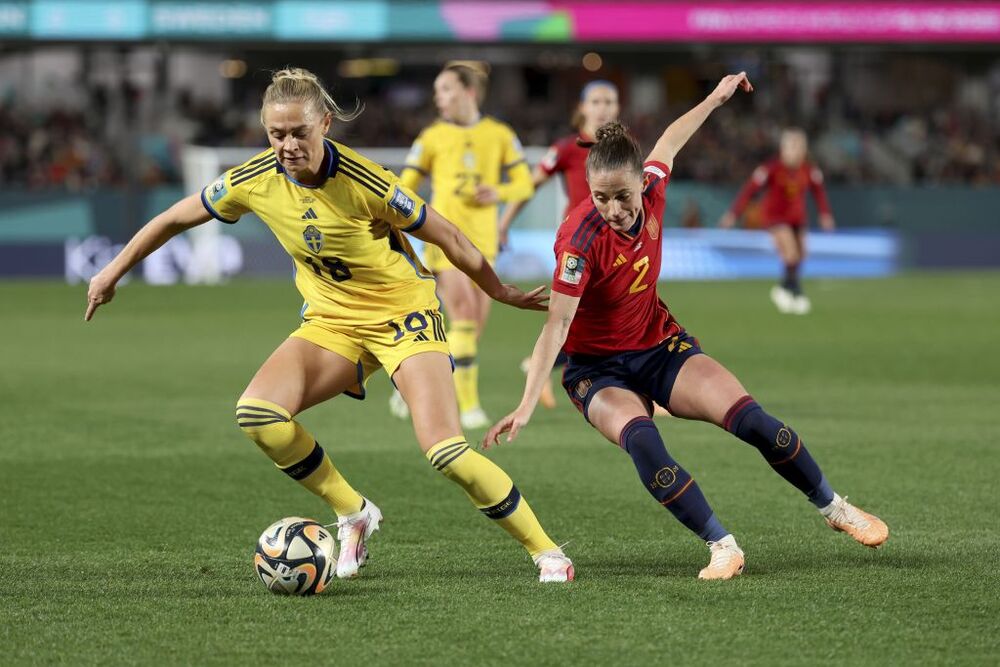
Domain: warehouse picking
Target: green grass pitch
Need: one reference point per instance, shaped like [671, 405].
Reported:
[130, 501]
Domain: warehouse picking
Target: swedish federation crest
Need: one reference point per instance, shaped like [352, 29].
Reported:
[313, 238]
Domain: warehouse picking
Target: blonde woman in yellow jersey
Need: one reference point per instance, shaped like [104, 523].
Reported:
[370, 303]
[466, 156]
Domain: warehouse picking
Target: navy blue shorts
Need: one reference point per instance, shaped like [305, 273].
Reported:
[649, 373]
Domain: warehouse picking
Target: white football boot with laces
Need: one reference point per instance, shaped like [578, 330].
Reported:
[554, 566]
[866, 528]
[353, 530]
[782, 299]
[474, 419]
[726, 562]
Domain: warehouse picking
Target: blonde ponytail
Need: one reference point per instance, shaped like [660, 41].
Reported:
[295, 84]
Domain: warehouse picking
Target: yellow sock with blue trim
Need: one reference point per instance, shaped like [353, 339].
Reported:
[462, 341]
[491, 491]
[296, 453]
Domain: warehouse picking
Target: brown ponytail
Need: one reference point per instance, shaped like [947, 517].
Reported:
[613, 149]
[472, 74]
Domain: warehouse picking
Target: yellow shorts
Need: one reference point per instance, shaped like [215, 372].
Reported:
[436, 261]
[380, 345]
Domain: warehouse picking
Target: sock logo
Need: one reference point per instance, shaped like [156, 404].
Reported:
[664, 478]
[784, 438]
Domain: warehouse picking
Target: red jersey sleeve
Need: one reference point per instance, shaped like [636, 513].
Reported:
[760, 177]
[573, 268]
[818, 191]
[553, 160]
[655, 176]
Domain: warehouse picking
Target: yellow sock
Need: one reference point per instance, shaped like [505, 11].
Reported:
[491, 491]
[296, 453]
[462, 340]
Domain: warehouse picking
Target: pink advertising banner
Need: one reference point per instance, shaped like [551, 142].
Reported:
[781, 21]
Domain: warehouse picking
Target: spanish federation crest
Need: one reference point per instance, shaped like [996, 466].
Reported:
[313, 238]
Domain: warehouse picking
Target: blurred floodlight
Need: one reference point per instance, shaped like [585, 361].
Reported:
[232, 69]
[363, 67]
[592, 61]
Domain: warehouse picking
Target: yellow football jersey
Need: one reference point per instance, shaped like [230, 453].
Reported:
[457, 159]
[353, 264]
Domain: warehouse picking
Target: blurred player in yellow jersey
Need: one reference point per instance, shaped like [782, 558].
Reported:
[466, 155]
[369, 303]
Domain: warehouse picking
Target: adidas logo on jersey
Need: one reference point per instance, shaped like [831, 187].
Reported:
[310, 215]
[619, 261]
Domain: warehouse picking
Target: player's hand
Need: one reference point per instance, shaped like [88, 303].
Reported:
[503, 234]
[826, 222]
[486, 195]
[536, 299]
[100, 292]
[727, 87]
[511, 425]
[727, 221]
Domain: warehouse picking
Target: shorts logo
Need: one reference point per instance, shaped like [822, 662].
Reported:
[217, 190]
[572, 269]
[784, 438]
[664, 478]
[582, 387]
[402, 203]
[313, 238]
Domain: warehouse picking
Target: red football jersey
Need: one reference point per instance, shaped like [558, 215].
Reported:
[615, 275]
[785, 200]
[570, 159]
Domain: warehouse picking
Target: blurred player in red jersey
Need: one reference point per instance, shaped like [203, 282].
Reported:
[626, 349]
[568, 156]
[786, 178]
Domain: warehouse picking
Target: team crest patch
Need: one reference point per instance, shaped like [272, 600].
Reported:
[402, 203]
[313, 238]
[582, 387]
[652, 228]
[572, 269]
[665, 477]
[217, 190]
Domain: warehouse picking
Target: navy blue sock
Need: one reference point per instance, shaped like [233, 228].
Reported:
[666, 481]
[791, 281]
[781, 447]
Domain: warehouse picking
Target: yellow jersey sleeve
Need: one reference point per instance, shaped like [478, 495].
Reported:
[228, 198]
[418, 162]
[519, 185]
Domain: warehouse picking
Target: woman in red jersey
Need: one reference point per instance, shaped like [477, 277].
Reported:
[786, 178]
[627, 350]
[568, 155]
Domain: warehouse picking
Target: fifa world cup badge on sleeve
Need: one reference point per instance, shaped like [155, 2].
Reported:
[402, 203]
[572, 269]
[217, 190]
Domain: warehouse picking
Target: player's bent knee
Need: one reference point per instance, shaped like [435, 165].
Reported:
[267, 424]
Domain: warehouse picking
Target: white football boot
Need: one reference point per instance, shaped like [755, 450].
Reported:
[474, 419]
[782, 299]
[397, 405]
[801, 305]
[726, 562]
[353, 530]
[866, 528]
[554, 566]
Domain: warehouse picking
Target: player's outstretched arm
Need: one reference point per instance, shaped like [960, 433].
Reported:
[562, 310]
[511, 210]
[467, 259]
[185, 214]
[678, 133]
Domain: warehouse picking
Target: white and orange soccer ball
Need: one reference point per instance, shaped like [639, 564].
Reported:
[295, 556]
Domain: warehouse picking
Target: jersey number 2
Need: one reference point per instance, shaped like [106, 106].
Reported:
[642, 266]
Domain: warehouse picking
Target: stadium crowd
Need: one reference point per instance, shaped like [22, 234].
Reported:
[86, 148]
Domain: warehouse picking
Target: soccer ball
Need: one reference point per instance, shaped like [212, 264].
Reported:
[295, 556]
